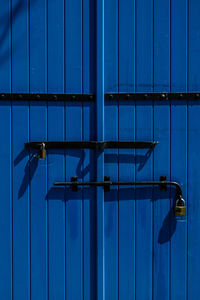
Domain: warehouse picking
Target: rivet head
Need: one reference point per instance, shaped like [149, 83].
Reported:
[127, 96]
[163, 96]
[55, 97]
[38, 96]
[110, 97]
[73, 97]
[91, 97]
[2, 96]
[20, 96]
[197, 95]
[146, 96]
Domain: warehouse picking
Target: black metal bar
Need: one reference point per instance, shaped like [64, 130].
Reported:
[92, 97]
[153, 96]
[90, 145]
[47, 97]
[109, 183]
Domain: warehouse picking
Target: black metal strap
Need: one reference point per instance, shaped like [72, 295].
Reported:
[47, 97]
[107, 183]
[152, 96]
[90, 145]
[92, 97]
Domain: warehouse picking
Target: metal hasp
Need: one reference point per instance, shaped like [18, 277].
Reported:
[152, 96]
[180, 208]
[88, 145]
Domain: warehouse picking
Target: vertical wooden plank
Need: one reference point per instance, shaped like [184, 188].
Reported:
[6, 201]
[56, 159]
[5, 51]
[193, 153]
[38, 190]
[89, 165]
[89, 47]
[111, 155]
[73, 123]
[111, 46]
[21, 221]
[126, 204]
[100, 155]
[111, 204]
[144, 158]
[56, 205]
[73, 46]
[89, 205]
[178, 229]
[126, 222]
[5, 156]
[161, 269]
[74, 271]
[20, 134]
[38, 168]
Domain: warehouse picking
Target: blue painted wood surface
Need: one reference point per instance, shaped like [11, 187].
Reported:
[122, 244]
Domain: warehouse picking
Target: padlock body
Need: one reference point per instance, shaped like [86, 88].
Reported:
[180, 211]
[43, 153]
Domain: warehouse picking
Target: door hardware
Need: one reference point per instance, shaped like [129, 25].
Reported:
[38, 97]
[180, 208]
[43, 153]
[152, 96]
[47, 97]
[95, 145]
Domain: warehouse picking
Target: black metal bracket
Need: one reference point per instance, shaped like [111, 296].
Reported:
[90, 145]
[74, 181]
[163, 186]
[107, 183]
[47, 97]
[152, 96]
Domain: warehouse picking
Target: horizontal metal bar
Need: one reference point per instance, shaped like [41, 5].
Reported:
[90, 145]
[92, 97]
[47, 97]
[152, 96]
[108, 183]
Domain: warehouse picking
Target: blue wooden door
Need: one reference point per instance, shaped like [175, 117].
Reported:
[152, 46]
[47, 235]
[91, 244]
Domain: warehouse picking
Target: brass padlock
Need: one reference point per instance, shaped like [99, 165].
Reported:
[180, 208]
[43, 152]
